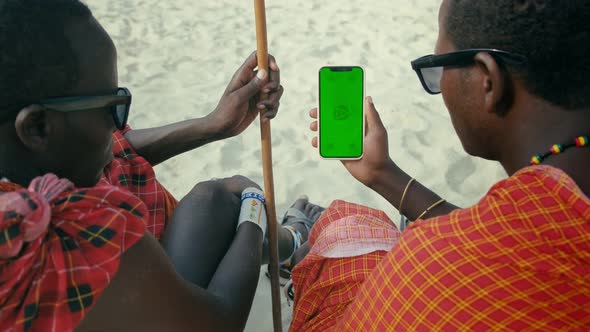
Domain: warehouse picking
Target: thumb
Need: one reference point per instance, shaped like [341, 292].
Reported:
[373, 119]
[252, 88]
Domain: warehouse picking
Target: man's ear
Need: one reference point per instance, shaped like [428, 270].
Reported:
[33, 128]
[496, 85]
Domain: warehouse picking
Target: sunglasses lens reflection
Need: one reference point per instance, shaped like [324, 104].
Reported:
[432, 77]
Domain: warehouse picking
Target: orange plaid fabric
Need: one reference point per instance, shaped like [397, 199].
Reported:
[517, 260]
[347, 242]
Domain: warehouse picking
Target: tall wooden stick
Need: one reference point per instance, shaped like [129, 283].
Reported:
[262, 54]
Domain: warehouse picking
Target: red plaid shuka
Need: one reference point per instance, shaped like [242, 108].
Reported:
[60, 246]
[135, 174]
[519, 260]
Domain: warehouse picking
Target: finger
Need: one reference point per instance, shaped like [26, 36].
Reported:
[271, 87]
[251, 62]
[373, 119]
[275, 75]
[272, 63]
[273, 99]
[314, 142]
[250, 115]
[313, 113]
[268, 106]
[244, 74]
[275, 96]
[247, 66]
[251, 88]
[314, 126]
[270, 114]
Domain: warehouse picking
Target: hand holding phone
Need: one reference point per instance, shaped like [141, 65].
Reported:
[376, 163]
[341, 116]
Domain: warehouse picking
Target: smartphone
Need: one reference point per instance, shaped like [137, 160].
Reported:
[341, 116]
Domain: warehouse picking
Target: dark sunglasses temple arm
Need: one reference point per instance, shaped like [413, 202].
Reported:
[84, 103]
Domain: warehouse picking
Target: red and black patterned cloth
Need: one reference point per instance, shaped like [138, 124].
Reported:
[519, 260]
[135, 174]
[60, 246]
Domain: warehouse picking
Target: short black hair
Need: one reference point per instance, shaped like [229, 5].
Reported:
[36, 58]
[553, 34]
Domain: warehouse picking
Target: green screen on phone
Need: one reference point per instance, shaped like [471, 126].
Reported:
[341, 112]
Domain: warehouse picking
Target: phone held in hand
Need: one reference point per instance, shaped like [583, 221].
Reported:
[341, 116]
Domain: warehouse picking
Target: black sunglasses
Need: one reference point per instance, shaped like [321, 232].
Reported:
[118, 105]
[430, 67]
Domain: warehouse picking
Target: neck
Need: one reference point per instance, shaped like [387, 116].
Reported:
[15, 164]
[534, 129]
[19, 174]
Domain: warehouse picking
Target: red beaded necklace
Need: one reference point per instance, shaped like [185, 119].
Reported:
[556, 149]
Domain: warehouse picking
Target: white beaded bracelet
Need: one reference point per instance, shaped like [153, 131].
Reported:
[253, 209]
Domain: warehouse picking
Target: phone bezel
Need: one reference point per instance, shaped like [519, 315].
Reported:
[320, 113]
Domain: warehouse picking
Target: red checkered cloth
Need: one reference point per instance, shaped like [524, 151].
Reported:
[59, 249]
[135, 174]
[519, 260]
[61, 246]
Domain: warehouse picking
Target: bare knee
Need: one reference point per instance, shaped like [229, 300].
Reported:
[211, 191]
[233, 185]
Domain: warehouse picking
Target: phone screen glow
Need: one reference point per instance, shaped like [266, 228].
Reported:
[341, 112]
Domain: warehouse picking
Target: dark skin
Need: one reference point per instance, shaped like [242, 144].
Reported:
[530, 124]
[495, 118]
[377, 170]
[48, 141]
[147, 294]
[235, 112]
[60, 143]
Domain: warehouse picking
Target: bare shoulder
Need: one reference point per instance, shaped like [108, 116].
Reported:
[147, 294]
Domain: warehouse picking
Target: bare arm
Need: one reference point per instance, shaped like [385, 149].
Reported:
[239, 105]
[392, 182]
[162, 143]
[148, 295]
[377, 171]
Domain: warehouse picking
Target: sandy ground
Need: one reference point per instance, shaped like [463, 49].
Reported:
[178, 56]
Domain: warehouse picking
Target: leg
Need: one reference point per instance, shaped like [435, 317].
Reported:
[201, 230]
[204, 224]
[310, 211]
[300, 254]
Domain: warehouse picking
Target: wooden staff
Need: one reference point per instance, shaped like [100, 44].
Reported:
[273, 266]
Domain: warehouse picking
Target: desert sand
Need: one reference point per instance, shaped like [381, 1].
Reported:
[178, 56]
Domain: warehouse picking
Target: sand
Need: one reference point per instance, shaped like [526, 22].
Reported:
[178, 56]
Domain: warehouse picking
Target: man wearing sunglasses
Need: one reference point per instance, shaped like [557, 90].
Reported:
[81, 212]
[514, 77]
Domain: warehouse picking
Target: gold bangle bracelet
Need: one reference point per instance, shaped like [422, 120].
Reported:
[430, 208]
[401, 203]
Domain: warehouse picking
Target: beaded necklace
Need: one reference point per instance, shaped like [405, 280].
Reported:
[556, 149]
